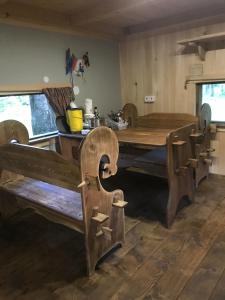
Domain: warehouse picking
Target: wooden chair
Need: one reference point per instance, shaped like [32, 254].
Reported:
[62, 191]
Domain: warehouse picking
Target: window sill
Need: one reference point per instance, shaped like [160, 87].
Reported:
[43, 138]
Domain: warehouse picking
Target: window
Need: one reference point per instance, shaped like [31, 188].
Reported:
[32, 110]
[214, 95]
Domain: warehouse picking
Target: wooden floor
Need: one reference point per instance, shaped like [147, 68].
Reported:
[44, 261]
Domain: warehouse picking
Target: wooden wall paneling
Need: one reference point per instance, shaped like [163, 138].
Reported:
[147, 69]
[154, 78]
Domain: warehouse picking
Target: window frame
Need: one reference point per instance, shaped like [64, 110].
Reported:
[40, 137]
[219, 124]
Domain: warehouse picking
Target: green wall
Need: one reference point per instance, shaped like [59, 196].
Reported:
[26, 55]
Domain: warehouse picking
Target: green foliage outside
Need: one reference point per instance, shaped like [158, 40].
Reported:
[214, 95]
[31, 110]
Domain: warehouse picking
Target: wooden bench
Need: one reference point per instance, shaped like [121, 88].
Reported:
[64, 191]
[200, 137]
[165, 153]
[202, 141]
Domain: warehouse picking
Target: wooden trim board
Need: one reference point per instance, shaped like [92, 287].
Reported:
[30, 87]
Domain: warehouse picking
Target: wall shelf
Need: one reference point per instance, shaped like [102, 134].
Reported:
[200, 42]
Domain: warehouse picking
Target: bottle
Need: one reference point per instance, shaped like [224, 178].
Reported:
[97, 117]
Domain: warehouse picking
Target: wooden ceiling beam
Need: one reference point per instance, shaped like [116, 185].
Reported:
[33, 17]
[102, 10]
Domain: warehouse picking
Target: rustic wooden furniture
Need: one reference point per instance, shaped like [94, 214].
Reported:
[200, 137]
[164, 152]
[164, 145]
[171, 160]
[63, 190]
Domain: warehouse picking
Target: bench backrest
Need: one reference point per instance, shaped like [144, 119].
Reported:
[157, 120]
[51, 167]
[40, 164]
[165, 120]
[37, 163]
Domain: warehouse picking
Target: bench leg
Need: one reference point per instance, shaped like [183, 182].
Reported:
[8, 202]
[181, 185]
[201, 172]
[104, 236]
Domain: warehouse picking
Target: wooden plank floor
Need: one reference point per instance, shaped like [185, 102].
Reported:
[44, 261]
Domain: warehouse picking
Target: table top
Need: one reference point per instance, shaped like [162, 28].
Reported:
[137, 136]
[143, 136]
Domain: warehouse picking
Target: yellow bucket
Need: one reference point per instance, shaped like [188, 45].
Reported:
[74, 118]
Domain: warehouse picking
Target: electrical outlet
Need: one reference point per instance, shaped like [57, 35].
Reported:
[149, 99]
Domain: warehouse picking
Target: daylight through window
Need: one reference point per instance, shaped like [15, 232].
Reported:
[214, 95]
[32, 110]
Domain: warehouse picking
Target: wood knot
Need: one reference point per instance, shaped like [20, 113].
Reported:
[92, 148]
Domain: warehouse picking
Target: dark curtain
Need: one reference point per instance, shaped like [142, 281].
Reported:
[59, 99]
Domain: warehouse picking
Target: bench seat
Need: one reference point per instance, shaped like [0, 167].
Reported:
[152, 162]
[63, 202]
[156, 156]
